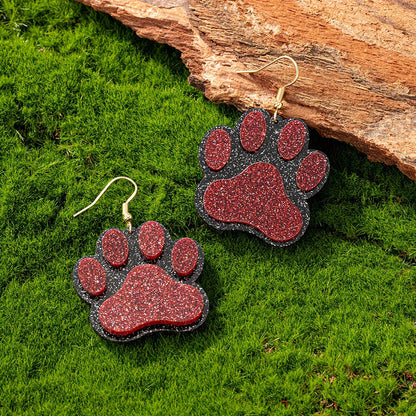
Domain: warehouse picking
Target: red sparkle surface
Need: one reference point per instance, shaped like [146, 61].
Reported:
[291, 139]
[149, 296]
[255, 197]
[151, 240]
[253, 131]
[184, 256]
[92, 276]
[311, 171]
[217, 149]
[115, 247]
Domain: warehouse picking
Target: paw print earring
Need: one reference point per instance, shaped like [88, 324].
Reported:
[259, 175]
[139, 281]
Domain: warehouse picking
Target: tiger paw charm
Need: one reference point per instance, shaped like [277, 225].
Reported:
[258, 177]
[140, 282]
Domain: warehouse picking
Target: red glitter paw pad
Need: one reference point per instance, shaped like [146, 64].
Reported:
[258, 177]
[142, 282]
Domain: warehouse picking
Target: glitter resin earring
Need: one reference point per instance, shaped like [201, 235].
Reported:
[259, 175]
[139, 281]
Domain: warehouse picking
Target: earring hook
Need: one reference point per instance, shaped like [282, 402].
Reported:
[279, 97]
[126, 215]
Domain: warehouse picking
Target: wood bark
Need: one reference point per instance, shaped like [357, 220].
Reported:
[357, 61]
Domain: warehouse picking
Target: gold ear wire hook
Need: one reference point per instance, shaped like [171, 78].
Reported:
[279, 97]
[126, 215]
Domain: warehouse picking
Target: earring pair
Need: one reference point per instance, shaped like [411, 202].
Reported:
[257, 178]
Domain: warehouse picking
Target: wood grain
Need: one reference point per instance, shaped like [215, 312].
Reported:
[357, 61]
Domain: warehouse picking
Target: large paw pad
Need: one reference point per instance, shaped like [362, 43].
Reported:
[142, 282]
[258, 176]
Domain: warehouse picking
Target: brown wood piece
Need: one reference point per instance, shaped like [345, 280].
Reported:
[357, 61]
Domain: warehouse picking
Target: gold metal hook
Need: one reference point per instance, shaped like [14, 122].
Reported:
[126, 215]
[279, 97]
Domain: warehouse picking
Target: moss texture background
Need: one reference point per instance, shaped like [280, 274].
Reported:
[324, 327]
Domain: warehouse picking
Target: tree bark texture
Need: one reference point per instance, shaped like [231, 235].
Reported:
[357, 61]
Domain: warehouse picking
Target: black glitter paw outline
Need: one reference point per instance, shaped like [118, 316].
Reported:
[257, 143]
[144, 256]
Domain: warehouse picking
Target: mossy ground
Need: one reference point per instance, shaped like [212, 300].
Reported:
[325, 327]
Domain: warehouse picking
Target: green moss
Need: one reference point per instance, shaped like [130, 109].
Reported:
[323, 327]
